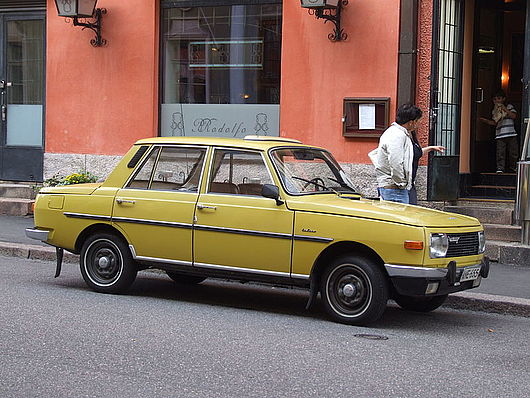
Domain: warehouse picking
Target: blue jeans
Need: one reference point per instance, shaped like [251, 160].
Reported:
[394, 195]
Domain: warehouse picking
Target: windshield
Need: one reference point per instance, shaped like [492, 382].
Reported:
[308, 170]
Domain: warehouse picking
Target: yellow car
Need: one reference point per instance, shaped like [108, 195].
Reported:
[262, 209]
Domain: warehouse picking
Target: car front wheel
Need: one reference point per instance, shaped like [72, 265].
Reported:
[420, 304]
[106, 264]
[354, 290]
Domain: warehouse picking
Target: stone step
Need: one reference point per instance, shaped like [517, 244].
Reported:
[505, 233]
[16, 207]
[512, 253]
[21, 191]
[486, 214]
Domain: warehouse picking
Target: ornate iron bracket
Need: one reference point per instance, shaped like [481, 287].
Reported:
[333, 15]
[95, 26]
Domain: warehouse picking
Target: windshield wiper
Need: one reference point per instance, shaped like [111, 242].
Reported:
[315, 182]
[343, 185]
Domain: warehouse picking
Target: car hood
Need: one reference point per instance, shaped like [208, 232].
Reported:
[80, 189]
[350, 205]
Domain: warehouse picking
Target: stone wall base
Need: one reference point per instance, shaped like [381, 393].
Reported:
[363, 175]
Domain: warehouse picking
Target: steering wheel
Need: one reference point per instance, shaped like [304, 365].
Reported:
[317, 182]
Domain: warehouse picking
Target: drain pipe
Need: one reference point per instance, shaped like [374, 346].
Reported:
[522, 204]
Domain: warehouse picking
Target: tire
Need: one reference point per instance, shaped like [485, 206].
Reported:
[106, 264]
[354, 290]
[420, 304]
[185, 279]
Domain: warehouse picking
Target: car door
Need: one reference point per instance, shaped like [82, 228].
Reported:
[237, 228]
[155, 208]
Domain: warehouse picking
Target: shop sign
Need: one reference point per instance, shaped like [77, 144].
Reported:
[219, 120]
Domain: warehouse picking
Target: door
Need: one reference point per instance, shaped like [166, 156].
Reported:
[525, 108]
[237, 228]
[156, 207]
[22, 96]
[446, 90]
[487, 69]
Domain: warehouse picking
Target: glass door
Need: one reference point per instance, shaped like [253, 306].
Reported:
[22, 96]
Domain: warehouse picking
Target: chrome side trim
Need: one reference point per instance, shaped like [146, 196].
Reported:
[87, 216]
[243, 231]
[157, 259]
[152, 222]
[313, 238]
[37, 234]
[415, 272]
[240, 269]
[300, 276]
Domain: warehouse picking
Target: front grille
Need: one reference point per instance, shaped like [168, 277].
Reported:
[462, 244]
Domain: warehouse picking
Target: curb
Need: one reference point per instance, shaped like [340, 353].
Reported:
[489, 303]
[462, 300]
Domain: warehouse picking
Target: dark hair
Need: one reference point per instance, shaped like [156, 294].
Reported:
[500, 93]
[408, 112]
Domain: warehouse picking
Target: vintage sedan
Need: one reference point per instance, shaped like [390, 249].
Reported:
[260, 209]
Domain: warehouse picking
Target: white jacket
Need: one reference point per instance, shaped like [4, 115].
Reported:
[393, 158]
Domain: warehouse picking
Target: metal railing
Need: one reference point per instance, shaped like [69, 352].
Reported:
[522, 204]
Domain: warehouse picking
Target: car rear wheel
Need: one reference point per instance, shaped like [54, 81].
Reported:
[106, 264]
[354, 290]
[420, 304]
[185, 279]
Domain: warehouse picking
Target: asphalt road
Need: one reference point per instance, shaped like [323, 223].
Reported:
[225, 339]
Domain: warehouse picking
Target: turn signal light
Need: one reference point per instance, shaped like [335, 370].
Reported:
[413, 244]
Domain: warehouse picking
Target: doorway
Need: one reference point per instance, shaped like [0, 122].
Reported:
[22, 46]
[498, 60]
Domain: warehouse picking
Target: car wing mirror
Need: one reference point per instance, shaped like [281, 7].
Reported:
[272, 192]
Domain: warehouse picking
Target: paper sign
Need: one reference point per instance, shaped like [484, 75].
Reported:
[366, 116]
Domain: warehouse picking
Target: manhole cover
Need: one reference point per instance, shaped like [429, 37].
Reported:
[371, 336]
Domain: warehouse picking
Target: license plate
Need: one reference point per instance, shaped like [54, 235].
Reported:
[470, 274]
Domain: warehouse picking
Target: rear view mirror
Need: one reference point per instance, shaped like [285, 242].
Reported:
[272, 192]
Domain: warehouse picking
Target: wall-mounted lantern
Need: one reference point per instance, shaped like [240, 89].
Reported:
[329, 10]
[76, 9]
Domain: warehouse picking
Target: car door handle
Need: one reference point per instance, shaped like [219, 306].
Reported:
[122, 201]
[202, 207]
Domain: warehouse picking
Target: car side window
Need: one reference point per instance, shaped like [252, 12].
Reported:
[238, 172]
[178, 168]
[142, 177]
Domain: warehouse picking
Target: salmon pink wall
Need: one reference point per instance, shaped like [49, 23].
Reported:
[101, 99]
[317, 74]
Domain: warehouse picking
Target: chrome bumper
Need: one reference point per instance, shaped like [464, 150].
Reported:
[37, 234]
[406, 271]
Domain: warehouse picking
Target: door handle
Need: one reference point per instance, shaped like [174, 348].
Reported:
[202, 207]
[122, 201]
[4, 113]
[480, 91]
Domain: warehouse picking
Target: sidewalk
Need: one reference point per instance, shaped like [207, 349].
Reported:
[506, 290]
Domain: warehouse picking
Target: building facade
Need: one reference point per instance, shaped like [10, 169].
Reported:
[267, 67]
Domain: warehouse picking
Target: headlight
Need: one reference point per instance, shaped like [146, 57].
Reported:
[439, 245]
[481, 242]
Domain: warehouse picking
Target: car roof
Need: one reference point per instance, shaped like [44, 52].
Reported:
[250, 142]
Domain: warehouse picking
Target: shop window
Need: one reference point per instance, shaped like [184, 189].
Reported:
[221, 70]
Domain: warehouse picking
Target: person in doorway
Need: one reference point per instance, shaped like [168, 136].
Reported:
[396, 159]
[503, 117]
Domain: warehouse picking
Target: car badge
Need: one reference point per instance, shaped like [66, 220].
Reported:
[308, 230]
[454, 239]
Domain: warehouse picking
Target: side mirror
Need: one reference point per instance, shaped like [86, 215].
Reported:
[272, 192]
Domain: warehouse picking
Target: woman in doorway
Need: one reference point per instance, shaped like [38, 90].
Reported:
[397, 157]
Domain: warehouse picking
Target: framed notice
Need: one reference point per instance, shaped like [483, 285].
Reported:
[365, 117]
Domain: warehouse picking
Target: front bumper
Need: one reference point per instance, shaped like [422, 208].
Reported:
[37, 234]
[414, 281]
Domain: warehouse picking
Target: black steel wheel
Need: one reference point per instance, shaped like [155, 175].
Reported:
[106, 264]
[185, 279]
[354, 290]
[420, 304]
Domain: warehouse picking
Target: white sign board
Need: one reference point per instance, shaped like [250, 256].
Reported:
[219, 120]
